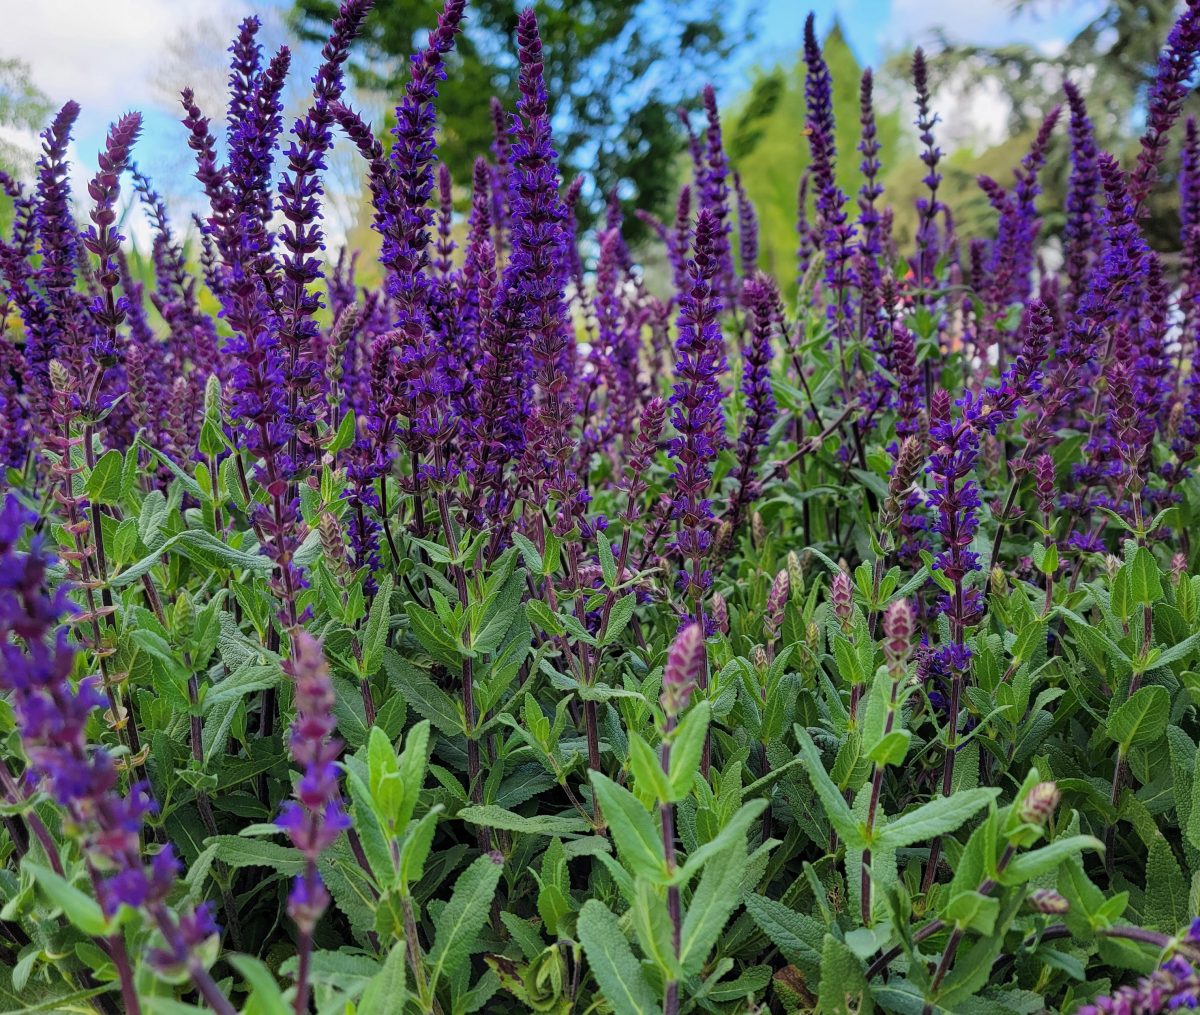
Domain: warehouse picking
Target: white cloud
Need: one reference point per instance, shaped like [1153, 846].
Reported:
[101, 54]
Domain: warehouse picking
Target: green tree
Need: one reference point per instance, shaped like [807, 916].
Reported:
[1114, 56]
[23, 108]
[615, 69]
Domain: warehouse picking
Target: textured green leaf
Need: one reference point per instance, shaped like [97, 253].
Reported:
[836, 809]
[1142, 719]
[457, 930]
[639, 842]
[490, 816]
[937, 817]
[612, 962]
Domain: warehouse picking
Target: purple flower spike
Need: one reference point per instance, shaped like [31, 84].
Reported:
[766, 321]
[1171, 85]
[684, 671]
[697, 414]
[103, 241]
[927, 207]
[315, 818]
[1082, 189]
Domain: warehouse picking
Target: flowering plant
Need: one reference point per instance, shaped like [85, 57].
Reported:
[534, 631]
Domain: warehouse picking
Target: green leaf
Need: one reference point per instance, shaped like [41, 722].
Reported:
[798, 935]
[648, 776]
[376, 631]
[457, 929]
[237, 851]
[1027, 866]
[491, 816]
[1142, 719]
[717, 895]
[733, 830]
[423, 694]
[836, 809]
[844, 989]
[638, 842]
[387, 989]
[652, 924]
[618, 617]
[203, 548]
[612, 962]
[544, 617]
[244, 680]
[937, 817]
[1166, 889]
[608, 565]
[891, 749]
[687, 746]
[265, 995]
[104, 484]
[1144, 582]
[82, 910]
[345, 434]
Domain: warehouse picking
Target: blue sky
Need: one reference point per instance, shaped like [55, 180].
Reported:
[118, 54]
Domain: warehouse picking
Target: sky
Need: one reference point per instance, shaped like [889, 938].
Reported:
[120, 54]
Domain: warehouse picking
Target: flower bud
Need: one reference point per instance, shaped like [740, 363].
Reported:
[812, 637]
[332, 545]
[759, 658]
[60, 377]
[841, 599]
[685, 667]
[758, 530]
[1179, 566]
[777, 601]
[795, 572]
[998, 581]
[1039, 806]
[1112, 564]
[1047, 900]
[720, 613]
[897, 635]
[1044, 472]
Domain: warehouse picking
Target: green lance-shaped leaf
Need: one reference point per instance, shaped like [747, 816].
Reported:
[613, 963]
[457, 931]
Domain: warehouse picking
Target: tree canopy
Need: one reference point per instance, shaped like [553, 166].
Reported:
[616, 70]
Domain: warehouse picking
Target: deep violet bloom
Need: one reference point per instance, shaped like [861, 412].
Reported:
[697, 414]
[931, 155]
[747, 229]
[301, 236]
[838, 234]
[766, 318]
[536, 279]
[502, 156]
[1082, 208]
[316, 817]
[1174, 986]
[872, 189]
[954, 496]
[104, 242]
[818, 84]
[67, 332]
[1171, 85]
[413, 368]
[714, 188]
[52, 719]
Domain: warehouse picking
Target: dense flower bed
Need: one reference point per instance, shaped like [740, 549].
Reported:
[514, 637]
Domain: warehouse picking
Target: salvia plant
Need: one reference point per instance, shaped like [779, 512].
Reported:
[517, 634]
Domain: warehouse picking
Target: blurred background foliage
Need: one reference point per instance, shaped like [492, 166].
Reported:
[618, 70]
